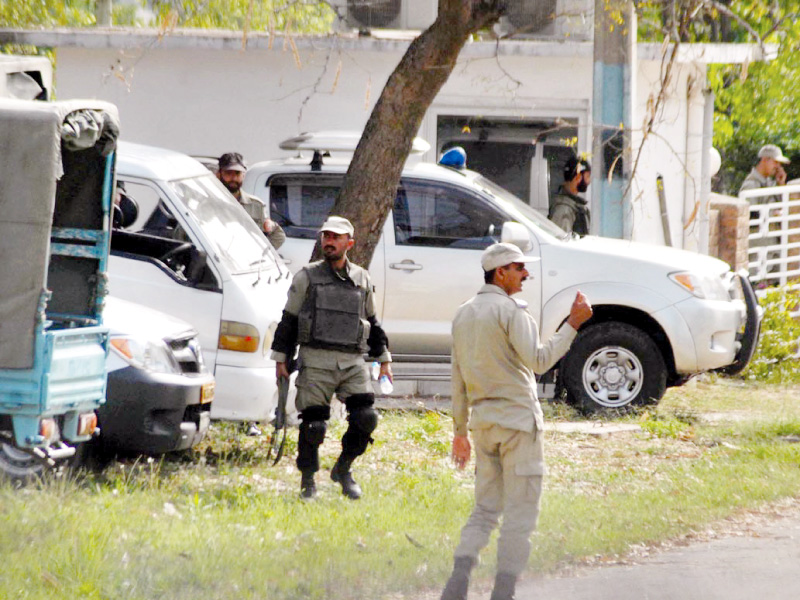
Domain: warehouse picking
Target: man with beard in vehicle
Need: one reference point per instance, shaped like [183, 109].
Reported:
[330, 314]
[231, 170]
[568, 210]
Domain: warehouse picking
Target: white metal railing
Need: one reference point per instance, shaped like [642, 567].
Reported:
[774, 239]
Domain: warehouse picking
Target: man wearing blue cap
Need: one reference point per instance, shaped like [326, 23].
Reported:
[496, 352]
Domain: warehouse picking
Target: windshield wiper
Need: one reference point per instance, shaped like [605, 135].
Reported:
[277, 258]
[260, 260]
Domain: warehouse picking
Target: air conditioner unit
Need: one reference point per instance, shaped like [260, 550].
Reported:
[551, 18]
[387, 14]
[532, 17]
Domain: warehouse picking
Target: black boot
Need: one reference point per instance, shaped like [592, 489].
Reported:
[341, 475]
[458, 584]
[308, 489]
[504, 586]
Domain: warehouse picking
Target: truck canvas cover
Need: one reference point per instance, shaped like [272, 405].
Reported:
[39, 143]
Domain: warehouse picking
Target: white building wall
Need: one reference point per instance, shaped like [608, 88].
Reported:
[210, 101]
[665, 153]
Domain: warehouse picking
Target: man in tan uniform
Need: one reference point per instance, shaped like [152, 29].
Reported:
[496, 351]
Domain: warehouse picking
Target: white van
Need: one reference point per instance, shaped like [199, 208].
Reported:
[193, 252]
[660, 314]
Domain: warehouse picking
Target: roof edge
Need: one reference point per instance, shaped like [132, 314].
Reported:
[387, 41]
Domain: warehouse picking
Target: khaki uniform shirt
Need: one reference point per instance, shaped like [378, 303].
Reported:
[322, 358]
[755, 181]
[257, 210]
[496, 351]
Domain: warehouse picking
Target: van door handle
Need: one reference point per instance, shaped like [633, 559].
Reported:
[406, 265]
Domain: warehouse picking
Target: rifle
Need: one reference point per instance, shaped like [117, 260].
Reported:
[281, 422]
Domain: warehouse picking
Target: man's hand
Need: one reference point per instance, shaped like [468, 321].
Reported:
[281, 370]
[580, 312]
[386, 369]
[780, 175]
[461, 450]
[269, 225]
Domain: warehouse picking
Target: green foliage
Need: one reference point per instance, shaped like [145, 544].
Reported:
[44, 13]
[428, 431]
[755, 103]
[776, 359]
[308, 16]
[666, 426]
[305, 16]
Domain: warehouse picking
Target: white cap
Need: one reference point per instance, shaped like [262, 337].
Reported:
[338, 225]
[773, 152]
[502, 254]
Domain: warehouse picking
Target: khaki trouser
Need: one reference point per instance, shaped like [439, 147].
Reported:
[508, 481]
[315, 387]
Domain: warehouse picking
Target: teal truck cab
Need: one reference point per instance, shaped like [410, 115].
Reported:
[56, 185]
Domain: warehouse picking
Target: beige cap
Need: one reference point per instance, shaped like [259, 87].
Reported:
[338, 225]
[772, 151]
[502, 254]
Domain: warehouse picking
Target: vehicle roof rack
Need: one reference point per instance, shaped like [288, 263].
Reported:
[322, 143]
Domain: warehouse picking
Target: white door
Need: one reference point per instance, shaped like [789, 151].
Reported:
[433, 263]
[138, 274]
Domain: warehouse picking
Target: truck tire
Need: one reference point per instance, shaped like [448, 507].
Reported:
[19, 466]
[613, 366]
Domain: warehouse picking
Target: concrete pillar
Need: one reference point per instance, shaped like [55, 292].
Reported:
[103, 13]
[612, 98]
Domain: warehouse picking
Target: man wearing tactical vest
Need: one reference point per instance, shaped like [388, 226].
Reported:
[568, 210]
[330, 313]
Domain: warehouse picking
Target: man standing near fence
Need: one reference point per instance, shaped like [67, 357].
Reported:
[768, 172]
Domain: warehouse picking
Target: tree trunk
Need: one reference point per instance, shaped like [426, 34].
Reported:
[370, 185]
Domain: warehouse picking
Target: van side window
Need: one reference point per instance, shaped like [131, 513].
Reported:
[146, 199]
[445, 217]
[153, 217]
[300, 204]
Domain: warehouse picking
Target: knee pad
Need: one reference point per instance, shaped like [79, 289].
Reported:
[364, 419]
[313, 431]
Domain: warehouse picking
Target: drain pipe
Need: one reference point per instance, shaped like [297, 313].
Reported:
[705, 171]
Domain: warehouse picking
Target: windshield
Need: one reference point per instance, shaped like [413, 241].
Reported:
[233, 235]
[515, 205]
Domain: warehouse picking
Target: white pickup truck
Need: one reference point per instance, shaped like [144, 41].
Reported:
[661, 315]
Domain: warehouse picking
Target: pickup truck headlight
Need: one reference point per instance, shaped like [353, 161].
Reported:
[239, 337]
[146, 354]
[701, 286]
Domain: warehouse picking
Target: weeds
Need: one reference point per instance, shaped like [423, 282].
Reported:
[229, 525]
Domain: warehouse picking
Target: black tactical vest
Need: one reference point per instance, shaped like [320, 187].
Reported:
[333, 315]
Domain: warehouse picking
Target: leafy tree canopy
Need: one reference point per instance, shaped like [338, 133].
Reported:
[755, 103]
[303, 16]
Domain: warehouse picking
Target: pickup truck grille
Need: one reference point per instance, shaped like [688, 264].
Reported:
[188, 354]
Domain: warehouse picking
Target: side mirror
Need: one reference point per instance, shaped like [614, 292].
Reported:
[517, 234]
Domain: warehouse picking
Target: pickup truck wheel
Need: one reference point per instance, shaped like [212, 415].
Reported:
[18, 465]
[613, 366]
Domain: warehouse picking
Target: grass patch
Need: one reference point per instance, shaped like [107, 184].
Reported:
[226, 524]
